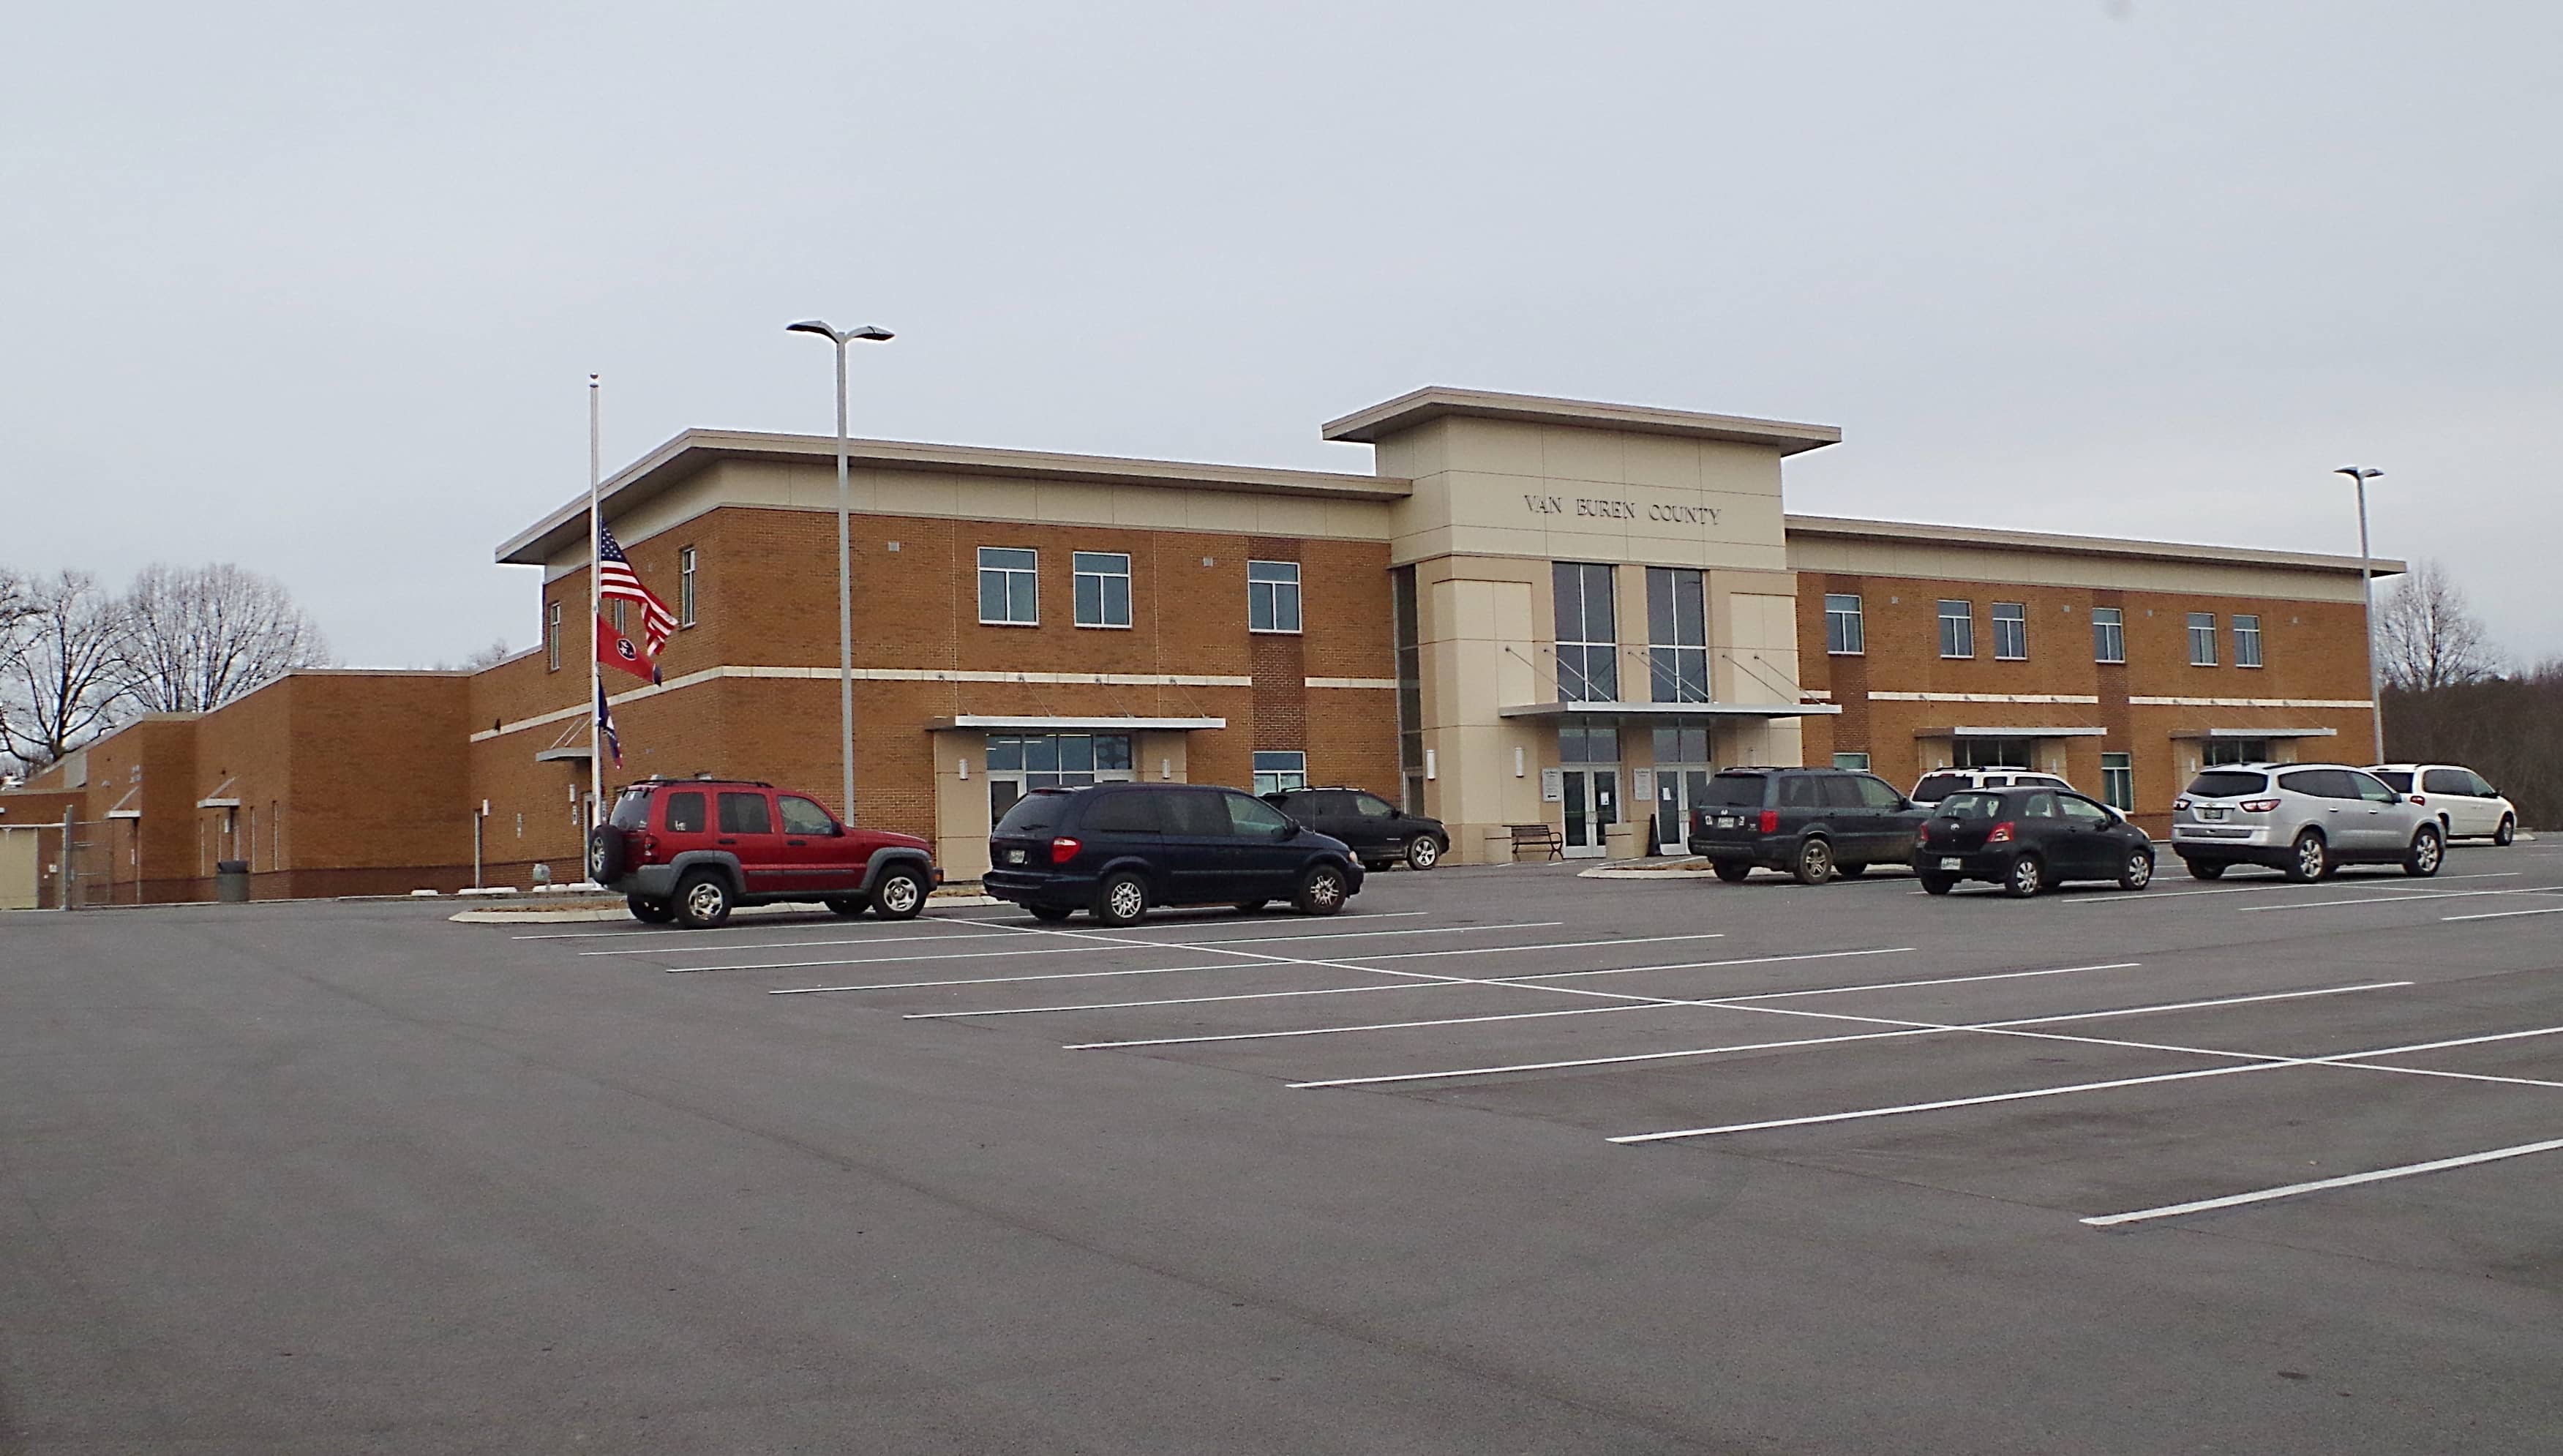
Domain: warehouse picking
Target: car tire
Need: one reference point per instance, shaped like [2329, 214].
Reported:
[1814, 864]
[1732, 873]
[1423, 852]
[2026, 878]
[606, 855]
[2508, 831]
[1851, 872]
[649, 912]
[2308, 858]
[1321, 891]
[899, 894]
[848, 906]
[1938, 884]
[1051, 914]
[1249, 907]
[2206, 869]
[703, 900]
[2429, 850]
[1121, 900]
[2138, 871]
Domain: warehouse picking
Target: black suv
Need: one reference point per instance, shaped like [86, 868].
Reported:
[1813, 823]
[1375, 828]
[1118, 848]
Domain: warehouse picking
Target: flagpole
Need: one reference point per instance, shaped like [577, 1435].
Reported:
[595, 610]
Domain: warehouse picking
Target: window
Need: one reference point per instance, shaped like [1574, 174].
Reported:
[614, 613]
[1579, 743]
[1876, 793]
[1843, 633]
[2247, 642]
[1252, 818]
[742, 813]
[2082, 810]
[684, 813]
[1276, 771]
[2442, 781]
[2011, 631]
[1132, 813]
[1957, 629]
[2237, 751]
[1856, 762]
[2039, 805]
[1372, 806]
[1677, 635]
[1273, 596]
[1103, 588]
[2108, 633]
[2119, 782]
[551, 637]
[1588, 637]
[1009, 586]
[802, 816]
[1059, 761]
[1681, 744]
[1403, 629]
[2369, 787]
[2202, 639]
[686, 587]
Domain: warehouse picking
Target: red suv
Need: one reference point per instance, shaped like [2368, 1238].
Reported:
[688, 850]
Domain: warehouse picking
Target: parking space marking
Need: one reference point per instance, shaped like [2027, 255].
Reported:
[999, 980]
[2350, 1180]
[1017, 932]
[2263, 886]
[673, 945]
[2351, 1060]
[1902, 1029]
[2502, 915]
[2396, 898]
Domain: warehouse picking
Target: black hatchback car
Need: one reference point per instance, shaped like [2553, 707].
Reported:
[1378, 831]
[1117, 849]
[2027, 840]
[1814, 823]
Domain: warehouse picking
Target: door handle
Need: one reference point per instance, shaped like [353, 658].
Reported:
[796, 843]
[724, 841]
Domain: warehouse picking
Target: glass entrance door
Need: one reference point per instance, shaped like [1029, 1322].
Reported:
[1592, 806]
[1683, 769]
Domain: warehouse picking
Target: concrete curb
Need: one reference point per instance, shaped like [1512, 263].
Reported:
[1630, 870]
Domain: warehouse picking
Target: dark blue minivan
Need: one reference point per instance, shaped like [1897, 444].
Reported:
[1116, 849]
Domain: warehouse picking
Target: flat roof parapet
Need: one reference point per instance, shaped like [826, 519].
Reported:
[1436, 401]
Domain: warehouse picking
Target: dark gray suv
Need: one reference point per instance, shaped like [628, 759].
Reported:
[1814, 823]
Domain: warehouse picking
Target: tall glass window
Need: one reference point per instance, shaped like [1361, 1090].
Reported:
[1410, 685]
[2011, 631]
[2202, 639]
[2119, 782]
[1276, 771]
[551, 637]
[1588, 637]
[686, 587]
[2108, 633]
[1009, 586]
[1681, 744]
[1583, 742]
[1957, 629]
[2246, 641]
[1102, 582]
[1677, 635]
[1273, 596]
[1845, 634]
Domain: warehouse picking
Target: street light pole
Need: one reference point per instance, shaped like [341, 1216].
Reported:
[845, 557]
[2361, 475]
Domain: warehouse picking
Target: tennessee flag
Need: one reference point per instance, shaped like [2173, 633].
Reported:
[618, 651]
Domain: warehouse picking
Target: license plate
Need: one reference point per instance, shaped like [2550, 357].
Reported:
[1952, 864]
[2211, 814]
[1727, 821]
[1014, 857]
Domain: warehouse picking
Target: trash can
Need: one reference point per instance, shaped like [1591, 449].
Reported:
[231, 881]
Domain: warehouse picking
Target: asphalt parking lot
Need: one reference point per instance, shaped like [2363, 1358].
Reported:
[1500, 1161]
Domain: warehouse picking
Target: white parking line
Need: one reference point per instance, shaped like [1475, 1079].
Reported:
[1017, 932]
[999, 980]
[680, 945]
[2291, 1190]
[2254, 889]
[2502, 915]
[2349, 1059]
[2395, 898]
[1901, 1028]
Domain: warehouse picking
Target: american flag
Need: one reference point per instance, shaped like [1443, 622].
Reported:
[616, 578]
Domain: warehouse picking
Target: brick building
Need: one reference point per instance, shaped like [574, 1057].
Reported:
[1532, 610]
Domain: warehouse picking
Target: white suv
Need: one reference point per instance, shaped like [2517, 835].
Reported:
[2307, 819]
[1939, 783]
[2467, 808]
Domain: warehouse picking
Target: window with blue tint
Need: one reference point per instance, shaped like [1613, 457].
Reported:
[2246, 641]
[2011, 631]
[1588, 635]
[1275, 771]
[1009, 586]
[1677, 635]
[1102, 582]
[1273, 596]
[1845, 635]
[1957, 629]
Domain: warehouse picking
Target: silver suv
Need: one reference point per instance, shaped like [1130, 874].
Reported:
[2307, 819]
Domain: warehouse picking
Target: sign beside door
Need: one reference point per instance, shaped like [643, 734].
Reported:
[1552, 785]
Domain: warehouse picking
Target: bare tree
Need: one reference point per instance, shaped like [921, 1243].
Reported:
[60, 671]
[488, 656]
[2426, 635]
[202, 637]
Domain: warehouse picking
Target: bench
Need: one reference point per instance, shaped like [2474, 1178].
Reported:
[1537, 836]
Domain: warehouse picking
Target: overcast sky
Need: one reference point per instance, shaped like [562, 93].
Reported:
[316, 288]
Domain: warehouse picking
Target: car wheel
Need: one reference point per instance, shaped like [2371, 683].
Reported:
[649, 912]
[2138, 871]
[703, 900]
[1320, 892]
[2508, 831]
[1423, 852]
[606, 852]
[1122, 900]
[1936, 884]
[848, 907]
[2429, 847]
[899, 894]
[2027, 877]
[1733, 874]
[2205, 868]
[1051, 913]
[1249, 907]
[1815, 862]
[2310, 860]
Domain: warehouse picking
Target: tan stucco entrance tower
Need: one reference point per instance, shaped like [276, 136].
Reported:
[1657, 535]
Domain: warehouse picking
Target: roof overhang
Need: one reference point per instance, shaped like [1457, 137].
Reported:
[688, 454]
[1438, 401]
[125, 813]
[566, 753]
[217, 803]
[1998, 730]
[2052, 543]
[2255, 732]
[1670, 711]
[1069, 723]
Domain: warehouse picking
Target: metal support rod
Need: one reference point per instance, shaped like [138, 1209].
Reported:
[2367, 594]
[845, 603]
[595, 611]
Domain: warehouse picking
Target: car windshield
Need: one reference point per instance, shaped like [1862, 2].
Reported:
[2227, 784]
[631, 811]
[1034, 815]
[2399, 781]
[1938, 786]
[1734, 791]
[1971, 807]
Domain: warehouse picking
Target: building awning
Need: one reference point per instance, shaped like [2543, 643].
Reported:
[217, 803]
[1669, 711]
[1998, 730]
[2255, 732]
[567, 753]
[999, 722]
